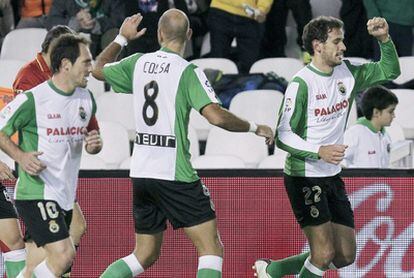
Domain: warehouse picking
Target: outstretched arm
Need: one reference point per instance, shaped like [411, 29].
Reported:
[218, 116]
[127, 32]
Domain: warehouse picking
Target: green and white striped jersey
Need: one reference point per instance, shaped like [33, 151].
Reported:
[50, 121]
[316, 107]
[165, 87]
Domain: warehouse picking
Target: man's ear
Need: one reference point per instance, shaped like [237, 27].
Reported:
[189, 34]
[65, 64]
[317, 46]
[376, 112]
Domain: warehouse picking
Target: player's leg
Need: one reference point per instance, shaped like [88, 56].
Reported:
[146, 253]
[77, 225]
[47, 228]
[35, 255]
[12, 246]
[11, 241]
[150, 224]
[77, 228]
[59, 256]
[188, 206]
[342, 223]
[308, 199]
[206, 239]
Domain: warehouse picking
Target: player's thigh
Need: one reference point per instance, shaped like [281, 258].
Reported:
[205, 238]
[10, 233]
[320, 239]
[344, 244]
[78, 223]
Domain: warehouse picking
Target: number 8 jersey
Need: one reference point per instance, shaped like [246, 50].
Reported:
[165, 87]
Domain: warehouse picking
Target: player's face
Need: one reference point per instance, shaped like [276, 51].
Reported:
[332, 51]
[386, 115]
[82, 67]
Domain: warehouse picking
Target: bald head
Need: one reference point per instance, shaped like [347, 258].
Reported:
[173, 26]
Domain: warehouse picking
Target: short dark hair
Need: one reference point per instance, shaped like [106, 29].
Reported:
[66, 47]
[318, 29]
[55, 33]
[377, 97]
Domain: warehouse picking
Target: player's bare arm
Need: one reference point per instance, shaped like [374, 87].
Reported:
[127, 32]
[218, 116]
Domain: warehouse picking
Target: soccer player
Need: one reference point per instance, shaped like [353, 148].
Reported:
[165, 186]
[11, 240]
[311, 128]
[31, 75]
[369, 145]
[52, 120]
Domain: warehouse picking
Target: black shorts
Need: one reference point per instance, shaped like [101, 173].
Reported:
[6, 206]
[45, 220]
[319, 200]
[183, 204]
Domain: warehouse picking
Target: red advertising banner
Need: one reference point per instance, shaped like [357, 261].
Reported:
[255, 221]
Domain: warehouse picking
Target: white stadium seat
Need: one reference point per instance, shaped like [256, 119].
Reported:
[23, 44]
[284, 67]
[8, 71]
[225, 65]
[260, 106]
[115, 144]
[276, 161]
[117, 108]
[407, 69]
[404, 113]
[200, 125]
[246, 146]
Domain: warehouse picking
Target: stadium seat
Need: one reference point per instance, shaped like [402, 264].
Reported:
[284, 67]
[404, 113]
[23, 44]
[218, 162]
[200, 125]
[246, 146]
[407, 69]
[395, 131]
[225, 65]
[117, 108]
[8, 71]
[276, 161]
[115, 144]
[93, 162]
[260, 106]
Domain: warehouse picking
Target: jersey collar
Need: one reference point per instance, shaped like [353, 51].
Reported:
[165, 49]
[57, 90]
[365, 122]
[313, 68]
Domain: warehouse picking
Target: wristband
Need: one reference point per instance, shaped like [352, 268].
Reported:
[121, 40]
[253, 127]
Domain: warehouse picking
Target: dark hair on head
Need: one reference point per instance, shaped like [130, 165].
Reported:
[377, 97]
[55, 33]
[318, 29]
[66, 47]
